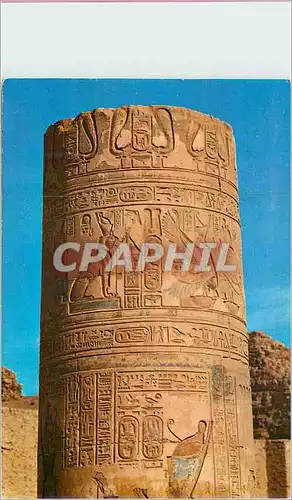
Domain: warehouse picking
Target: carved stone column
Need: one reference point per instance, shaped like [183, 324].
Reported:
[144, 378]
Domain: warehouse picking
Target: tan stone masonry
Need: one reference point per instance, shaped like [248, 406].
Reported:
[144, 377]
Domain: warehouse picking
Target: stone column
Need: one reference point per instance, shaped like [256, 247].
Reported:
[144, 377]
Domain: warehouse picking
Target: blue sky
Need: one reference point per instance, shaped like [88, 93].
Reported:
[259, 113]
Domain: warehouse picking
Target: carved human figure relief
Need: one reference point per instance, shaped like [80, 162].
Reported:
[188, 459]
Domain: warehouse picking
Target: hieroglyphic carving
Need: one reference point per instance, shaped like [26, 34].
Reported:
[160, 194]
[162, 380]
[153, 277]
[70, 226]
[219, 434]
[86, 225]
[87, 419]
[139, 409]
[104, 428]
[72, 426]
[130, 335]
[188, 335]
[232, 436]
[102, 487]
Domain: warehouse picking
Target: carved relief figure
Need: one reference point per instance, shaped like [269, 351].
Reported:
[134, 234]
[141, 492]
[192, 288]
[231, 287]
[96, 282]
[187, 459]
[102, 488]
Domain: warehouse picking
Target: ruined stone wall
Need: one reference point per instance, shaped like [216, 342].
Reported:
[10, 388]
[19, 452]
[270, 382]
[272, 468]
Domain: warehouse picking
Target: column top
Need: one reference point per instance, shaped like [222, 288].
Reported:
[178, 113]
